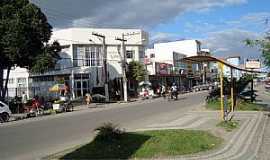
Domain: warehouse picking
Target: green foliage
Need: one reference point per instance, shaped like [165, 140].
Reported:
[240, 85]
[240, 106]
[47, 59]
[24, 31]
[136, 71]
[264, 45]
[109, 132]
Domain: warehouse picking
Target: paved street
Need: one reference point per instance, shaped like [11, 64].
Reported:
[35, 138]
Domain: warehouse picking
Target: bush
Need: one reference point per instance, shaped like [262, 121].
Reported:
[109, 132]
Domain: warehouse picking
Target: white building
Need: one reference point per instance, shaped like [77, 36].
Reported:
[18, 82]
[82, 56]
[164, 62]
[236, 61]
[172, 52]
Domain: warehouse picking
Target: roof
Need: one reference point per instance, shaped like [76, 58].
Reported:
[207, 58]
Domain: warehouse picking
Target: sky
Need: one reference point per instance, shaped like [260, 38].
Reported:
[221, 25]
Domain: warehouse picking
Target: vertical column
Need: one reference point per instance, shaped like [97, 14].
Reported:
[221, 90]
[124, 68]
[232, 92]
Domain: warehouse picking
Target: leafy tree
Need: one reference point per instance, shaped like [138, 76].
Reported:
[24, 33]
[240, 85]
[136, 72]
[264, 45]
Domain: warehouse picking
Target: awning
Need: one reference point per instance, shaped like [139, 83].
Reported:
[206, 58]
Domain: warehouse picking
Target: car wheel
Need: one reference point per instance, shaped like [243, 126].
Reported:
[5, 117]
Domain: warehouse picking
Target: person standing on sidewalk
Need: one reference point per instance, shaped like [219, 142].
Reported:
[24, 100]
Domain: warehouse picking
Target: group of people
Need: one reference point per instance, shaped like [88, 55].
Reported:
[171, 91]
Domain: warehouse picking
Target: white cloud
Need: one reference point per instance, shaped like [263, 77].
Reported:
[231, 42]
[122, 13]
[256, 17]
[157, 36]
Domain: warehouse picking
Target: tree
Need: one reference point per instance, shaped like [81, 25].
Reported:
[264, 45]
[136, 72]
[24, 33]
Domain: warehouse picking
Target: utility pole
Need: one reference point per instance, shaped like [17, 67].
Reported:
[104, 51]
[124, 61]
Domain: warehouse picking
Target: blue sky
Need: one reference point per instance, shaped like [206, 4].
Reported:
[196, 24]
[221, 25]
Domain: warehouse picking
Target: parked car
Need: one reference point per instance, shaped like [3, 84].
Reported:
[246, 95]
[4, 112]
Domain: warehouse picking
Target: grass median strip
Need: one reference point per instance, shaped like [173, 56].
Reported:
[147, 144]
[240, 106]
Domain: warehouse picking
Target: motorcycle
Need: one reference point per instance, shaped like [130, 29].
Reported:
[173, 95]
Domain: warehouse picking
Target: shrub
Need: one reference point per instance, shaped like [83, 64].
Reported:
[109, 132]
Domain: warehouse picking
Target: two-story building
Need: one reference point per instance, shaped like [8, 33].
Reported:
[164, 63]
[81, 64]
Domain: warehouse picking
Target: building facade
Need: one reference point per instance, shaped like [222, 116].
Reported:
[82, 59]
[166, 57]
[236, 61]
[18, 82]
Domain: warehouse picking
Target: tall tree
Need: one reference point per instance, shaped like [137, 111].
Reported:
[135, 73]
[264, 45]
[24, 33]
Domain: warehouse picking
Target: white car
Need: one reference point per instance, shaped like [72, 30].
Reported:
[4, 112]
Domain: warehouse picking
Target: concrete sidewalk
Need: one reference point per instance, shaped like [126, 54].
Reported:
[264, 153]
[241, 144]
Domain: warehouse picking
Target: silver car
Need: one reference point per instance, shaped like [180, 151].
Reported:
[4, 112]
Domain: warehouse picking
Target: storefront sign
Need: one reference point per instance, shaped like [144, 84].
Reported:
[163, 68]
[253, 64]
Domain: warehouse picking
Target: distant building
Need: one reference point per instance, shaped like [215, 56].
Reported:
[18, 82]
[236, 61]
[167, 57]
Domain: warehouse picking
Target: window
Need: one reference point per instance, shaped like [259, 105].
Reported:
[10, 81]
[141, 54]
[130, 53]
[93, 55]
[87, 56]
[21, 80]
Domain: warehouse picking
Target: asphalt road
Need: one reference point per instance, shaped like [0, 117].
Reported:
[38, 137]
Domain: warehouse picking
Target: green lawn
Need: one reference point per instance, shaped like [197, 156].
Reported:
[148, 144]
[241, 106]
[228, 125]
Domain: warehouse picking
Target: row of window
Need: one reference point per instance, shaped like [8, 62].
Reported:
[87, 56]
[92, 55]
[43, 79]
[19, 81]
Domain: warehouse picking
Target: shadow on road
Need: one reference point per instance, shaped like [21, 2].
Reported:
[123, 148]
